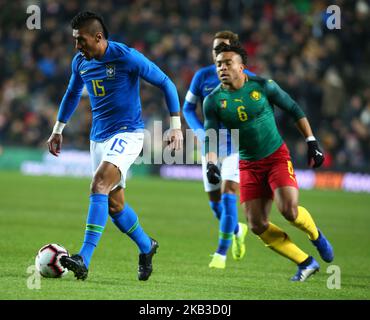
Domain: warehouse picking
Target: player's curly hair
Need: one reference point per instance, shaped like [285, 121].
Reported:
[83, 18]
[234, 47]
[226, 34]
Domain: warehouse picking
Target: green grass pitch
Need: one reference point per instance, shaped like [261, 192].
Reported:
[35, 211]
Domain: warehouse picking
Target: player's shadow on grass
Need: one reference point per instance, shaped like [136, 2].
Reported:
[362, 286]
[366, 279]
[356, 276]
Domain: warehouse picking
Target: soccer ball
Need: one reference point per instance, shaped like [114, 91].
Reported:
[47, 261]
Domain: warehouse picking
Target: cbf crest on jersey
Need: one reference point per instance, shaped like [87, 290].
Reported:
[111, 71]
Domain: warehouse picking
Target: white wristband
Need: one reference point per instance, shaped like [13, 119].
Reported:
[58, 127]
[310, 138]
[175, 122]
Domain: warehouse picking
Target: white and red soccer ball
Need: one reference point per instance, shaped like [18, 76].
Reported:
[47, 261]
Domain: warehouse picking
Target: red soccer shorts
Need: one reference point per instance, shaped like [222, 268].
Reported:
[259, 179]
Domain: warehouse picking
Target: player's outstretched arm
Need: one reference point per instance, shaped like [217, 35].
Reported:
[280, 98]
[67, 107]
[151, 73]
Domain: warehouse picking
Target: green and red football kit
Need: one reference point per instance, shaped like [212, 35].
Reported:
[265, 162]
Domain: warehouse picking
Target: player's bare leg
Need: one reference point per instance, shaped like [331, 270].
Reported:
[105, 178]
[286, 199]
[257, 212]
[116, 200]
[230, 187]
[127, 221]
[287, 202]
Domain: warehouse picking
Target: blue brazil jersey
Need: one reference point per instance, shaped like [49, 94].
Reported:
[113, 87]
[205, 80]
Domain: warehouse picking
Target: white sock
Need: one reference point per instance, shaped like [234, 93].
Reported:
[240, 231]
[223, 257]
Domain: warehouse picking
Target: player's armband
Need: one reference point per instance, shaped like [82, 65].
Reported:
[175, 122]
[191, 98]
[58, 127]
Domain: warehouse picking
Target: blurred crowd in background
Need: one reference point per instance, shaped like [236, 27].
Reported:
[326, 71]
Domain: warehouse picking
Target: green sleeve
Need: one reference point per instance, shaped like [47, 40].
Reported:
[281, 99]
[211, 123]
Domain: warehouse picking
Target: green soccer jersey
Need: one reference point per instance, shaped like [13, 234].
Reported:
[251, 110]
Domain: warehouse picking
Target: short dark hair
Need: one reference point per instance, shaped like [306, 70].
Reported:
[83, 18]
[234, 47]
[226, 34]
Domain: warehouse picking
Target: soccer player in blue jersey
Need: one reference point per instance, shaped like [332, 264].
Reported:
[111, 71]
[222, 195]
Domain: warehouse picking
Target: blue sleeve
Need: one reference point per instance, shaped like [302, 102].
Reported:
[72, 96]
[195, 88]
[190, 105]
[190, 116]
[151, 73]
[249, 73]
[211, 123]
